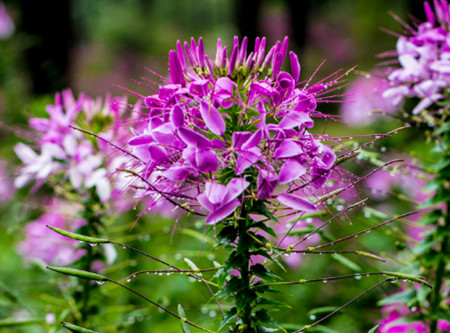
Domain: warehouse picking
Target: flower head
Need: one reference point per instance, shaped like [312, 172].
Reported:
[68, 153]
[424, 57]
[231, 127]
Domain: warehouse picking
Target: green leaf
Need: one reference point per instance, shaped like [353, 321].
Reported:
[262, 316]
[260, 207]
[81, 238]
[193, 267]
[78, 273]
[264, 227]
[11, 322]
[77, 329]
[401, 297]
[322, 310]
[346, 262]
[186, 328]
[230, 315]
[262, 272]
[374, 329]
[227, 235]
[262, 301]
[242, 299]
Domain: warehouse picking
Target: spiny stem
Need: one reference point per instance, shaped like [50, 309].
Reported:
[440, 273]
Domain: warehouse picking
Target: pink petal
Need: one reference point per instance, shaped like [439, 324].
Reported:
[234, 188]
[296, 202]
[287, 148]
[215, 192]
[213, 119]
[290, 171]
[222, 212]
[193, 138]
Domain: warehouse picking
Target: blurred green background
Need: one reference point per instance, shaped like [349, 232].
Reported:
[92, 46]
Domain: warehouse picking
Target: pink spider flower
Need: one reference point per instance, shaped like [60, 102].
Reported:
[225, 129]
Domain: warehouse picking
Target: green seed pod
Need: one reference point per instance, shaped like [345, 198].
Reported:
[81, 238]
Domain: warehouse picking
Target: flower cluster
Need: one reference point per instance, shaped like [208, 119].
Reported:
[232, 127]
[424, 57]
[62, 150]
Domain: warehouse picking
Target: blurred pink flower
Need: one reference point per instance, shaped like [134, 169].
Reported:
[45, 245]
[365, 96]
[6, 23]
[6, 186]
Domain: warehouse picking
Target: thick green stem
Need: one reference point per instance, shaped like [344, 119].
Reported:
[437, 297]
[243, 248]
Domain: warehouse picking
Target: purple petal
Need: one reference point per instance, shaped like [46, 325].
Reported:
[222, 212]
[40, 124]
[290, 171]
[140, 140]
[239, 138]
[177, 116]
[180, 53]
[295, 66]
[206, 161]
[277, 65]
[267, 182]
[328, 157]
[253, 141]
[175, 69]
[296, 202]
[286, 83]
[201, 52]
[233, 57]
[234, 189]
[193, 138]
[213, 119]
[157, 153]
[287, 148]
[177, 173]
[203, 200]
[215, 192]
[199, 88]
[295, 119]
[247, 158]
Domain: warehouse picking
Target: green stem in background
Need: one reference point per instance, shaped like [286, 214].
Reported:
[437, 297]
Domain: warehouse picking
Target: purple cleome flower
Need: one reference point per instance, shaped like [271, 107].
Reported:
[229, 128]
[424, 57]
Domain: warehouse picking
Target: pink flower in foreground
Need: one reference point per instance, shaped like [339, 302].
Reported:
[233, 127]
